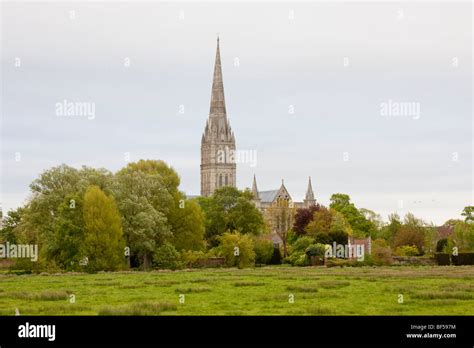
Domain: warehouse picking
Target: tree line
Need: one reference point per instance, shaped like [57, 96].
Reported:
[91, 219]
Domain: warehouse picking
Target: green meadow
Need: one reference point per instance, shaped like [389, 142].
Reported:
[279, 290]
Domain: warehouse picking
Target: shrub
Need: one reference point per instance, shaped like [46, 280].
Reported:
[302, 243]
[299, 259]
[410, 235]
[192, 258]
[368, 261]
[263, 249]
[166, 256]
[237, 249]
[407, 250]
[317, 249]
[381, 252]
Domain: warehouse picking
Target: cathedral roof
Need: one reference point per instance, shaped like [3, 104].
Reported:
[268, 196]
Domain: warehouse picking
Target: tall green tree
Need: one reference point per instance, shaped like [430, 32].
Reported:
[388, 231]
[229, 209]
[49, 191]
[103, 235]
[468, 213]
[361, 226]
[11, 221]
[412, 232]
[68, 239]
[184, 218]
[187, 223]
[329, 226]
[143, 202]
[464, 236]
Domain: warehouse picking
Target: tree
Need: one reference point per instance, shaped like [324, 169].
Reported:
[464, 236]
[321, 223]
[303, 217]
[229, 209]
[168, 175]
[66, 245]
[361, 226]
[468, 213]
[281, 218]
[166, 256]
[264, 250]
[412, 232]
[49, 192]
[177, 220]
[10, 223]
[144, 203]
[381, 252]
[329, 226]
[373, 217]
[103, 235]
[389, 231]
[237, 249]
[187, 223]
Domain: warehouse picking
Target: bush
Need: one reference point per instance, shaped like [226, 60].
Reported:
[410, 235]
[237, 249]
[263, 249]
[407, 250]
[381, 253]
[192, 258]
[299, 259]
[302, 243]
[317, 249]
[166, 256]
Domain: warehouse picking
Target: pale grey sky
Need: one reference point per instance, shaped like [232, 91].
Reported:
[289, 54]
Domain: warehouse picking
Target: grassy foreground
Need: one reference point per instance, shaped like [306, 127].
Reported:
[258, 291]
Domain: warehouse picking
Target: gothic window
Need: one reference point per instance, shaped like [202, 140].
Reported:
[226, 180]
[220, 180]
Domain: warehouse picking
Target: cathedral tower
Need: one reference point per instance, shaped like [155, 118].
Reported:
[218, 166]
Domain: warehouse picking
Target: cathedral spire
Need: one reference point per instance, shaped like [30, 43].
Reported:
[217, 137]
[309, 199]
[254, 188]
[217, 96]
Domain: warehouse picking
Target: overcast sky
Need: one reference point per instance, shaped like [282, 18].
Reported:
[334, 64]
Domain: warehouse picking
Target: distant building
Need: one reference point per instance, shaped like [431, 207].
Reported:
[265, 199]
[218, 142]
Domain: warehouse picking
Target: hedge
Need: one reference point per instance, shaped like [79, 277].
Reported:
[463, 259]
[442, 259]
[445, 259]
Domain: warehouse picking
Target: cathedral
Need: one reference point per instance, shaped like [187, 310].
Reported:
[218, 138]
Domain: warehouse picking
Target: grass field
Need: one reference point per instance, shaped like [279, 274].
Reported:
[258, 291]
